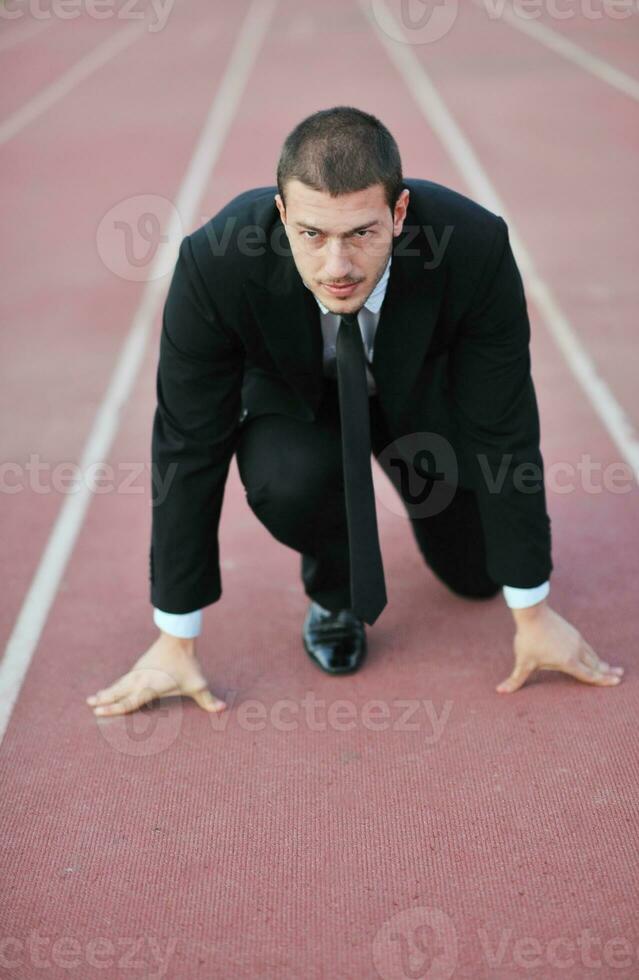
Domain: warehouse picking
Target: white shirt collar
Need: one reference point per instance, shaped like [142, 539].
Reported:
[376, 298]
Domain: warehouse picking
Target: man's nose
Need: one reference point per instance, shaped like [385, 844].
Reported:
[338, 264]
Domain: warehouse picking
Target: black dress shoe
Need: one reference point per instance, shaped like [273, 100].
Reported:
[335, 641]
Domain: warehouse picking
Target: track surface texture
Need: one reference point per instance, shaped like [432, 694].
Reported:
[451, 832]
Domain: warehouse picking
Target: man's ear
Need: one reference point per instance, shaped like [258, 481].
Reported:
[280, 207]
[399, 214]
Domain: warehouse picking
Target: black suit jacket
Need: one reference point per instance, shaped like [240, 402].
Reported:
[241, 336]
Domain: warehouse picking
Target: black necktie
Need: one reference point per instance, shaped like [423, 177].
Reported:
[368, 589]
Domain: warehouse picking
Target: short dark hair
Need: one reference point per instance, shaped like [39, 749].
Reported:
[341, 150]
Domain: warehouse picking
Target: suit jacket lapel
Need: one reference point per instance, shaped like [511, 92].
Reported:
[407, 321]
[288, 315]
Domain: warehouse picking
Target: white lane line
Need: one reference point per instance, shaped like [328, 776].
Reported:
[437, 115]
[44, 586]
[82, 69]
[22, 33]
[605, 72]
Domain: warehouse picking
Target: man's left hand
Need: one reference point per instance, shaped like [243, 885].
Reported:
[546, 641]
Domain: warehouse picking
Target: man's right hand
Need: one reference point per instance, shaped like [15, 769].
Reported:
[168, 667]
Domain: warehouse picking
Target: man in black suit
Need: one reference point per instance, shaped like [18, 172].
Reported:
[349, 311]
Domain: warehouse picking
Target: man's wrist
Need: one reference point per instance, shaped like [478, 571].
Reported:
[527, 604]
[529, 613]
[184, 643]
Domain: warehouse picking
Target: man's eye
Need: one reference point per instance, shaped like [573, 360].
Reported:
[363, 232]
[310, 234]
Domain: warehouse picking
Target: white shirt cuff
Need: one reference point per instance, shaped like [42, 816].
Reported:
[521, 598]
[184, 625]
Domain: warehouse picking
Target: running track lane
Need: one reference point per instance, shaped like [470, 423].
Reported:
[289, 836]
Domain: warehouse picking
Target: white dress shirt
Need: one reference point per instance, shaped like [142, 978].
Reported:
[188, 625]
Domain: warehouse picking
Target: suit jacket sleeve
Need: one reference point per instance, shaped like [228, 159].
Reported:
[196, 422]
[498, 422]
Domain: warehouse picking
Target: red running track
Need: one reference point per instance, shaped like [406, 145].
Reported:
[463, 834]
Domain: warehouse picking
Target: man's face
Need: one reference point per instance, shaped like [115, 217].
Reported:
[341, 245]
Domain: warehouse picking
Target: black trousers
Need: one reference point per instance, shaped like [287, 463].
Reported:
[293, 477]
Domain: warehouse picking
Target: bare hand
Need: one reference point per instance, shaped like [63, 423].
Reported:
[168, 667]
[546, 641]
